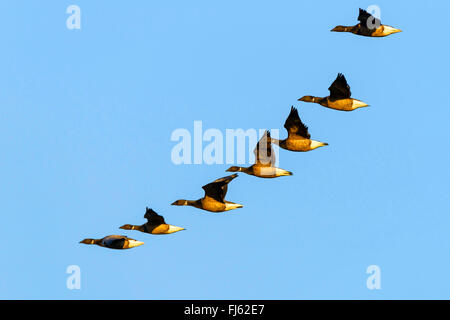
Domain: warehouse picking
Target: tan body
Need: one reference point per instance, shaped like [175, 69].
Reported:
[114, 242]
[381, 31]
[155, 224]
[267, 171]
[265, 158]
[348, 104]
[299, 139]
[209, 204]
[160, 229]
[212, 205]
[299, 144]
[262, 171]
[214, 199]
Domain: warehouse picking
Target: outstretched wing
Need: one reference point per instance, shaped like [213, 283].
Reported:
[264, 152]
[295, 126]
[339, 89]
[367, 20]
[153, 218]
[218, 188]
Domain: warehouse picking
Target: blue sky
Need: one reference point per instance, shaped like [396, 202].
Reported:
[85, 123]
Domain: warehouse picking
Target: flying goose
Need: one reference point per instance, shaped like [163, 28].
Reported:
[155, 224]
[114, 242]
[369, 26]
[214, 199]
[265, 160]
[298, 136]
[339, 98]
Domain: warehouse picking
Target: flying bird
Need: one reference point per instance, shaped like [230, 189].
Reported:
[265, 160]
[114, 242]
[339, 98]
[298, 136]
[214, 199]
[155, 224]
[369, 26]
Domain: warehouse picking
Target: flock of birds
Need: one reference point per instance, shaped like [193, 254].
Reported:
[298, 140]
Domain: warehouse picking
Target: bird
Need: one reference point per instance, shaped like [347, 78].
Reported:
[155, 224]
[114, 242]
[214, 199]
[339, 98]
[369, 26]
[265, 160]
[298, 136]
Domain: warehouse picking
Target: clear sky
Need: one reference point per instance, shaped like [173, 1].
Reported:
[86, 118]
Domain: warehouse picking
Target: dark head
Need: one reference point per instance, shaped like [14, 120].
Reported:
[127, 227]
[88, 241]
[234, 169]
[180, 203]
[307, 99]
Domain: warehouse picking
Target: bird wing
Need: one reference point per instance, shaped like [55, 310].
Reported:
[264, 152]
[340, 89]
[218, 188]
[153, 218]
[295, 126]
[363, 18]
[115, 242]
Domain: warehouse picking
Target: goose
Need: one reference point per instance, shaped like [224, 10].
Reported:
[265, 159]
[214, 199]
[369, 26]
[339, 98]
[114, 242]
[155, 224]
[298, 136]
